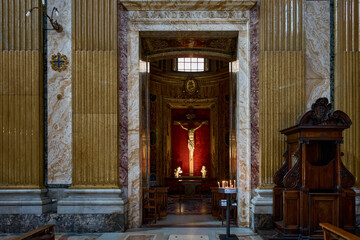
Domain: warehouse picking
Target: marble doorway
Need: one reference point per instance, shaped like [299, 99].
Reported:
[169, 17]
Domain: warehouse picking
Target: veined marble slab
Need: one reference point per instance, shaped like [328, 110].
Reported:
[317, 32]
[59, 99]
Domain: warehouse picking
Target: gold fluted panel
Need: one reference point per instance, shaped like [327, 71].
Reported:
[95, 114]
[95, 119]
[21, 120]
[18, 32]
[347, 79]
[282, 79]
[282, 101]
[281, 25]
[21, 95]
[95, 24]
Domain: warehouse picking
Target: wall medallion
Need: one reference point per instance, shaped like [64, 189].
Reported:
[59, 62]
[190, 88]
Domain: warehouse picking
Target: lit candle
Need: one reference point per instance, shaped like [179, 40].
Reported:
[219, 184]
[223, 184]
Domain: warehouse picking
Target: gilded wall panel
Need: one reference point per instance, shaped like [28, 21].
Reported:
[95, 104]
[21, 104]
[282, 79]
[21, 119]
[19, 32]
[347, 77]
[282, 101]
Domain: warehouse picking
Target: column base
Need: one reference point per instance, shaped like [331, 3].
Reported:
[92, 201]
[24, 201]
[261, 209]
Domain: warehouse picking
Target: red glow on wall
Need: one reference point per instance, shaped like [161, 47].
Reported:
[180, 151]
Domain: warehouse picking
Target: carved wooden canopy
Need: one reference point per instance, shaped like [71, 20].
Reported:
[322, 115]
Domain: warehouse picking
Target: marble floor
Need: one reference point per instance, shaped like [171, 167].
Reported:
[187, 219]
[197, 227]
[198, 205]
[185, 227]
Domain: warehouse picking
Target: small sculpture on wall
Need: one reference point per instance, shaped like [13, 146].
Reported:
[191, 88]
[203, 172]
[59, 62]
[177, 172]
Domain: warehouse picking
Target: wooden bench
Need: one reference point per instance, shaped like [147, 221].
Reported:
[46, 232]
[332, 232]
[162, 200]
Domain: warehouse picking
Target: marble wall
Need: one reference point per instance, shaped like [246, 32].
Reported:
[317, 34]
[254, 95]
[243, 129]
[59, 98]
[123, 93]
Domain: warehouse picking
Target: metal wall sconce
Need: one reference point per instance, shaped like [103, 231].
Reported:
[56, 26]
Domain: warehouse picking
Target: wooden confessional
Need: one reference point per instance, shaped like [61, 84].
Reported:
[313, 186]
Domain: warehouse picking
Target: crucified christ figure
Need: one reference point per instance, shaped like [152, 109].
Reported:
[191, 142]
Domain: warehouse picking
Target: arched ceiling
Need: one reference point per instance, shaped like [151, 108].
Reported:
[215, 45]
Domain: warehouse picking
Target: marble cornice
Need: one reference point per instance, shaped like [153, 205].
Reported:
[187, 5]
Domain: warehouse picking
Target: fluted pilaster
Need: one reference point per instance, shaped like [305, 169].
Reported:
[95, 102]
[282, 79]
[347, 79]
[21, 95]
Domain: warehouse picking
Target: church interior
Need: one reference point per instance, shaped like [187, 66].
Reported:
[120, 115]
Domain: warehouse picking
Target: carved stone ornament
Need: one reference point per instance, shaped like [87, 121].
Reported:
[190, 88]
[321, 114]
[59, 62]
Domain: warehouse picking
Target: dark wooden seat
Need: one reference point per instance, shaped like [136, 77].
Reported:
[151, 211]
[332, 232]
[162, 200]
[46, 232]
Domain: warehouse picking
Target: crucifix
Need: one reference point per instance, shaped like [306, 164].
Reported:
[191, 136]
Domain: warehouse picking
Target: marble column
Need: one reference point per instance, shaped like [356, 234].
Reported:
[317, 41]
[59, 99]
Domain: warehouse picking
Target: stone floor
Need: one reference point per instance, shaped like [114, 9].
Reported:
[188, 219]
[180, 205]
[184, 227]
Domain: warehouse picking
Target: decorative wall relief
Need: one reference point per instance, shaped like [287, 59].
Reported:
[190, 88]
[59, 62]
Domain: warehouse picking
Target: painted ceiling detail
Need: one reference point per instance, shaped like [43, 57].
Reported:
[225, 46]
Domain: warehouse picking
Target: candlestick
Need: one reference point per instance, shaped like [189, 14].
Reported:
[219, 184]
